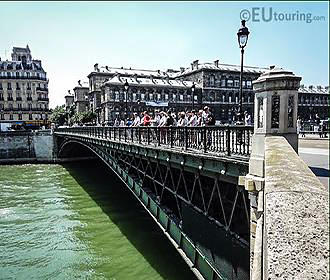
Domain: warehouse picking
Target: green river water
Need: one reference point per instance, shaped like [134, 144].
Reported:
[78, 221]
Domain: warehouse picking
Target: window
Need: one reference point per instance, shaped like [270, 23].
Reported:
[27, 74]
[181, 97]
[2, 116]
[30, 116]
[11, 117]
[19, 106]
[9, 86]
[142, 96]
[20, 117]
[17, 75]
[230, 83]
[166, 96]
[1, 86]
[211, 81]
[1, 106]
[158, 97]
[17, 86]
[249, 84]
[236, 83]
[8, 75]
[30, 106]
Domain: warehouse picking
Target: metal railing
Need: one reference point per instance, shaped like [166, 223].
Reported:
[224, 140]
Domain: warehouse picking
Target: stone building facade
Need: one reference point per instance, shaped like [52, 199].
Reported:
[220, 85]
[23, 89]
[313, 100]
[216, 86]
[81, 98]
[143, 94]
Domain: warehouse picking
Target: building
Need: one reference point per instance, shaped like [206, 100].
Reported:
[216, 86]
[81, 98]
[220, 85]
[23, 89]
[313, 100]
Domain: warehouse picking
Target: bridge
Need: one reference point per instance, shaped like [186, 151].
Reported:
[237, 202]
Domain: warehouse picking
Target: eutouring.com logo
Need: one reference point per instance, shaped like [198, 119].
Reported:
[258, 14]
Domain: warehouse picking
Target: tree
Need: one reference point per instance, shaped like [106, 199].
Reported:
[58, 115]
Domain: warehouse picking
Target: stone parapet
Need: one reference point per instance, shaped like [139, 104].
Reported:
[296, 216]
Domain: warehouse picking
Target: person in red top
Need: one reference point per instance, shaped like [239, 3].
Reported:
[146, 119]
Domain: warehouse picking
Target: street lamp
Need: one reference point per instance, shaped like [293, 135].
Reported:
[242, 36]
[193, 94]
[126, 86]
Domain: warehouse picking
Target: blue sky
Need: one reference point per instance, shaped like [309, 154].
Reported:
[70, 37]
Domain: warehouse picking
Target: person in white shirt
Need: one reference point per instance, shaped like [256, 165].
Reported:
[193, 119]
[163, 119]
[182, 120]
[136, 121]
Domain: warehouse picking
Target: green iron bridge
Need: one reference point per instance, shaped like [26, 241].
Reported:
[187, 180]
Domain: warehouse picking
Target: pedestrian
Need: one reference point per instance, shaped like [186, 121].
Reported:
[298, 125]
[146, 119]
[193, 119]
[247, 118]
[136, 121]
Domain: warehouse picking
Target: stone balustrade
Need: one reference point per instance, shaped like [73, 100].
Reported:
[296, 216]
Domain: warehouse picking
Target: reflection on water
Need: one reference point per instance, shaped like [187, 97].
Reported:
[77, 221]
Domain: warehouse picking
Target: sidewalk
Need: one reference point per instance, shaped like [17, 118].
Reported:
[313, 137]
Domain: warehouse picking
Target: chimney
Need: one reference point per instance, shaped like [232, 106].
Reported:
[135, 76]
[195, 63]
[326, 88]
[182, 69]
[271, 67]
[192, 66]
[319, 87]
[216, 63]
[310, 87]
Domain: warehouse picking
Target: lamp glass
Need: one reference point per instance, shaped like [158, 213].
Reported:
[243, 40]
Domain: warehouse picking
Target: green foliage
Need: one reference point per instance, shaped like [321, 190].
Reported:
[58, 115]
[82, 118]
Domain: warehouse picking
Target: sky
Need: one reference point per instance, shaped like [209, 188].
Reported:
[70, 37]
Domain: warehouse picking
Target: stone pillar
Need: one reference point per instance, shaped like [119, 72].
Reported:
[275, 113]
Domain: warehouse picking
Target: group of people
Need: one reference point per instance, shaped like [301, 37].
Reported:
[168, 118]
[161, 118]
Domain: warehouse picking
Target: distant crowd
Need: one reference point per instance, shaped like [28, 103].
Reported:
[161, 118]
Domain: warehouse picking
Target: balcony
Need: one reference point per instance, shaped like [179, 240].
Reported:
[9, 98]
[42, 89]
[18, 98]
[43, 99]
[29, 98]
[23, 78]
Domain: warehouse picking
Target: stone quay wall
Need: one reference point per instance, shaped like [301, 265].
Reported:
[296, 216]
[26, 147]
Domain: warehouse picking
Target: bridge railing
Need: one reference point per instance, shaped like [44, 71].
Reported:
[227, 140]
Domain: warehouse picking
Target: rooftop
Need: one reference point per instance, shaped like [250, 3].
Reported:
[151, 81]
[220, 67]
[314, 89]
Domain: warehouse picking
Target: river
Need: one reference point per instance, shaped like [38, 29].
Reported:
[78, 221]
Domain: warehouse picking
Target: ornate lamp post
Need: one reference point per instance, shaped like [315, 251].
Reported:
[126, 86]
[193, 94]
[242, 35]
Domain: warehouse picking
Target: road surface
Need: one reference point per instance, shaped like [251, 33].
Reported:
[315, 152]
